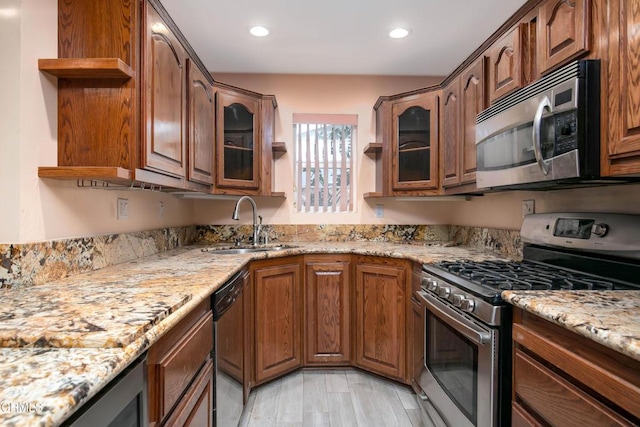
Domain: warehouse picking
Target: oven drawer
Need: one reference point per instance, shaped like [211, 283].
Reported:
[555, 399]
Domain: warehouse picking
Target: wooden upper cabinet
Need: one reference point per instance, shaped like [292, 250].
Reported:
[506, 64]
[451, 134]
[381, 306]
[618, 24]
[563, 32]
[201, 126]
[278, 305]
[473, 102]
[238, 145]
[165, 99]
[327, 310]
[414, 143]
[462, 100]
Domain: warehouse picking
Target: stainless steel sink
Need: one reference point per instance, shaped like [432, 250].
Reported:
[246, 249]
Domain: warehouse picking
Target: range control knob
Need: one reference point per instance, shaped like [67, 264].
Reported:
[444, 291]
[456, 299]
[599, 230]
[468, 305]
[432, 285]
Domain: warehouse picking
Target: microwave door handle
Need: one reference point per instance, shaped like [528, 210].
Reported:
[545, 104]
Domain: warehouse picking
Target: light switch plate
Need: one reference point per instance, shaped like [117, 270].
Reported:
[123, 209]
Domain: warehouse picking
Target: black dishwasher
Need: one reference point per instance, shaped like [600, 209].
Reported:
[229, 350]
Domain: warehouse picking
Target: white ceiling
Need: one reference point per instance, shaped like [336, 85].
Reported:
[338, 36]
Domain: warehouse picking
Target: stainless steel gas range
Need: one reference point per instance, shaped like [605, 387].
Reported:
[466, 377]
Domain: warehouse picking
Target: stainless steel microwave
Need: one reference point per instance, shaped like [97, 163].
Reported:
[545, 134]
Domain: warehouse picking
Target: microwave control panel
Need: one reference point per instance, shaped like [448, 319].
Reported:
[566, 131]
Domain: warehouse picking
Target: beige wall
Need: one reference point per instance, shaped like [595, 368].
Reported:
[504, 210]
[9, 114]
[333, 95]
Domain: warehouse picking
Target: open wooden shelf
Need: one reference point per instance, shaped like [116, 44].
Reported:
[278, 147]
[114, 175]
[86, 68]
[277, 194]
[372, 194]
[373, 148]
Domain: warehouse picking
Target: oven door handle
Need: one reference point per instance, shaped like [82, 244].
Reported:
[545, 104]
[467, 328]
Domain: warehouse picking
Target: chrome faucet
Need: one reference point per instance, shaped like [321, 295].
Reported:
[256, 225]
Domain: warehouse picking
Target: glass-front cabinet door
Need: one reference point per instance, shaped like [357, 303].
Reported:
[414, 143]
[237, 141]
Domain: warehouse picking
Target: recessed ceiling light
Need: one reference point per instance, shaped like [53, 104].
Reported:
[259, 31]
[398, 33]
[8, 12]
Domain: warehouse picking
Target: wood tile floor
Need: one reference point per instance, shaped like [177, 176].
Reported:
[331, 398]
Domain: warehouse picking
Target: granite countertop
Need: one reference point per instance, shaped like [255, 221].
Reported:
[611, 318]
[65, 340]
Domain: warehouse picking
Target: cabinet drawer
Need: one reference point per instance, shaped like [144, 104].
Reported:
[556, 400]
[196, 408]
[612, 375]
[175, 360]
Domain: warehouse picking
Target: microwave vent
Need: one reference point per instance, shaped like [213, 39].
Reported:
[568, 72]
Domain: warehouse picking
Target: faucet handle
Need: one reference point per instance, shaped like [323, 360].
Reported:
[260, 219]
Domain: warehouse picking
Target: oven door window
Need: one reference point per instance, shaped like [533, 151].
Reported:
[514, 147]
[453, 361]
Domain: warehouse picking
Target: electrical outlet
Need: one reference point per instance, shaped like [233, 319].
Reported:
[528, 207]
[379, 211]
[160, 209]
[123, 208]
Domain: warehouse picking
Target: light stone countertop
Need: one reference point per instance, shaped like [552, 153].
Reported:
[65, 340]
[611, 318]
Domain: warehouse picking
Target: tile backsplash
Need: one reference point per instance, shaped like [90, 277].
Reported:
[36, 263]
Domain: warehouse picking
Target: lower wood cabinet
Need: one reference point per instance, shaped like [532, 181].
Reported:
[332, 310]
[196, 408]
[563, 379]
[326, 310]
[278, 319]
[180, 374]
[380, 319]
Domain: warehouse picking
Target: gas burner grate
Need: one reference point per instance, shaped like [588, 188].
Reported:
[525, 275]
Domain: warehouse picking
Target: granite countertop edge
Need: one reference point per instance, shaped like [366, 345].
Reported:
[609, 318]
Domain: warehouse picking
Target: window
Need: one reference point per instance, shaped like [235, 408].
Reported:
[324, 162]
